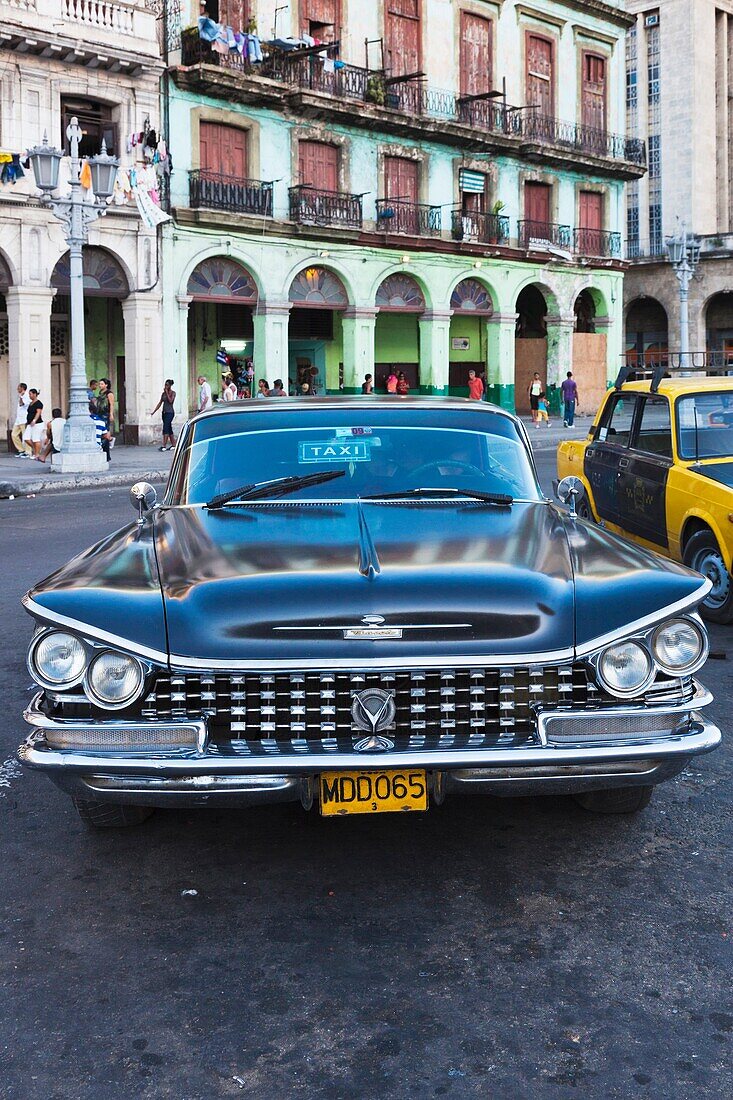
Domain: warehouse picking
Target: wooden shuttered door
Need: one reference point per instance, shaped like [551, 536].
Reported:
[234, 13]
[324, 12]
[590, 224]
[593, 94]
[537, 204]
[402, 37]
[475, 57]
[401, 179]
[540, 77]
[318, 165]
[223, 150]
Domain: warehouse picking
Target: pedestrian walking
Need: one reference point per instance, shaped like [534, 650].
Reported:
[475, 386]
[228, 389]
[534, 391]
[205, 398]
[20, 421]
[104, 405]
[166, 405]
[569, 390]
[33, 434]
[391, 381]
[263, 388]
[54, 436]
[543, 411]
[403, 386]
[92, 391]
[367, 385]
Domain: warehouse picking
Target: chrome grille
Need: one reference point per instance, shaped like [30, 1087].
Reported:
[293, 706]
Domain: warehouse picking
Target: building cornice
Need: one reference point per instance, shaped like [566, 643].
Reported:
[603, 11]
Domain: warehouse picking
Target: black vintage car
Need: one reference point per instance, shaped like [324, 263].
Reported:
[366, 603]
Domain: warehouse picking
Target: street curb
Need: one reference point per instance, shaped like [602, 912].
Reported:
[48, 485]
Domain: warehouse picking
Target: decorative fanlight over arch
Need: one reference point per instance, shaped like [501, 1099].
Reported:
[221, 279]
[400, 292]
[318, 287]
[104, 276]
[471, 296]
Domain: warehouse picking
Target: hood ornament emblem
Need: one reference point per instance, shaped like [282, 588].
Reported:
[373, 620]
[373, 710]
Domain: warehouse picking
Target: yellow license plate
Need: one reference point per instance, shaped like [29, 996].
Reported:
[373, 792]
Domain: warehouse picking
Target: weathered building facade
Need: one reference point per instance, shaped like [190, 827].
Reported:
[679, 84]
[438, 187]
[101, 63]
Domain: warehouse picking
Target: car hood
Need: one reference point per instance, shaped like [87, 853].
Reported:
[284, 581]
[722, 472]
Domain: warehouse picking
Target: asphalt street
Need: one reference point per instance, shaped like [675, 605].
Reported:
[490, 948]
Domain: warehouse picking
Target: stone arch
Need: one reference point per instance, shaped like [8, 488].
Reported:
[428, 296]
[222, 279]
[317, 287]
[532, 309]
[212, 252]
[472, 295]
[334, 268]
[646, 329]
[718, 315]
[551, 296]
[105, 275]
[400, 292]
[6, 275]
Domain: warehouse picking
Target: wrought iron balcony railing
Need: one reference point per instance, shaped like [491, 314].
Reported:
[215, 191]
[483, 228]
[412, 218]
[534, 234]
[312, 206]
[597, 242]
[546, 130]
[646, 250]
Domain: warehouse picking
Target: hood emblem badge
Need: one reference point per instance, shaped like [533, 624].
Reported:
[373, 620]
[373, 710]
[372, 629]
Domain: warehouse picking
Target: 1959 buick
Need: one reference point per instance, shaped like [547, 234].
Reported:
[367, 604]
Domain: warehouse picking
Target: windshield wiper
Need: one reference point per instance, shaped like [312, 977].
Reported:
[504, 500]
[279, 486]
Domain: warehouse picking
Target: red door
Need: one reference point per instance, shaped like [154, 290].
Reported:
[402, 37]
[593, 95]
[223, 150]
[540, 78]
[537, 198]
[322, 13]
[401, 182]
[318, 165]
[475, 54]
[234, 13]
[590, 217]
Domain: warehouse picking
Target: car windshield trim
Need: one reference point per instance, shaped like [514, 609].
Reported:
[501, 499]
[277, 487]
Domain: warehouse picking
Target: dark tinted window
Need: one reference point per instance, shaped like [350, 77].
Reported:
[655, 428]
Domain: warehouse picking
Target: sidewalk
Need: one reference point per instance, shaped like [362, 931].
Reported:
[546, 437]
[21, 476]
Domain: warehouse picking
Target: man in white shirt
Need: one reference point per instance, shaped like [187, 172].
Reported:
[54, 436]
[20, 419]
[205, 400]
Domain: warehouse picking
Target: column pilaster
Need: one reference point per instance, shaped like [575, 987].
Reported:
[358, 326]
[434, 350]
[500, 362]
[145, 366]
[181, 370]
[560, 328]
[29, 339]
[271, 342]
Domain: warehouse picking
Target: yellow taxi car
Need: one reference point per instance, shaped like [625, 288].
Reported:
[657, 467]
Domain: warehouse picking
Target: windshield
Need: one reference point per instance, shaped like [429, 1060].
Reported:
[378, 451]
[705, 425]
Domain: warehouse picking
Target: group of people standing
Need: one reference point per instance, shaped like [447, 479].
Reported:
[32, 436]
[540, 406]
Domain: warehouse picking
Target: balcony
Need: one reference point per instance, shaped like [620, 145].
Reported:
[312, 206]
[214, 191]
[597, 243]
[539, 235]
[412, 218]
[480, 228]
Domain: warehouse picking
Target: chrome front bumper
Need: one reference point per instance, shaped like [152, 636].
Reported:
[573, 751]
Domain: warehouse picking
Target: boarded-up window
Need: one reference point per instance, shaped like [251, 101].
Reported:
[223, 150]
[476, 75]
[401, 178]
[540, 75]
[402, 36]
[593, 96]
[318, 165]
[537, 203]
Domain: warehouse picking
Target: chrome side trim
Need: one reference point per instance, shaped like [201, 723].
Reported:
[354, 664]
[656, 619]
[91, 632]
[545, 719]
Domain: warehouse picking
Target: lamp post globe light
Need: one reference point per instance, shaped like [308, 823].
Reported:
[683, 251]
[80, 451]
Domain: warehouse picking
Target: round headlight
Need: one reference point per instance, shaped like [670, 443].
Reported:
[58, 659]
[678, 646]
[114, 679]
[625, 668]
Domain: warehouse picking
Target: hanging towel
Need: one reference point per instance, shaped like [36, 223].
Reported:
[208, 29]
[85, 177]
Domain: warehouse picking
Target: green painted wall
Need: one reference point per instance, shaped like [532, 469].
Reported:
[104, 335]
[334, 355]
[397, 338]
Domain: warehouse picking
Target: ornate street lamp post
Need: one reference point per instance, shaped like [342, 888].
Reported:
[80, 451]
[683, 251]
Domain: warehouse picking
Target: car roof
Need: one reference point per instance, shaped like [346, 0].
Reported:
[675, 387]
[355, 401]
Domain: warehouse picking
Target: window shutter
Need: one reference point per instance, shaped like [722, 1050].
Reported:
[472, 182]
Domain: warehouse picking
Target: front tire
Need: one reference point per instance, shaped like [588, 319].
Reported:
[585, 511]
[620, 800]
[110, 815]
[702, 553]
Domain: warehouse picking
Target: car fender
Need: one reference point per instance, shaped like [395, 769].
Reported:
[706, 517]
[571, 461]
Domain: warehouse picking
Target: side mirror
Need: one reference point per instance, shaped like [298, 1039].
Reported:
[143, 497]
[569, 491]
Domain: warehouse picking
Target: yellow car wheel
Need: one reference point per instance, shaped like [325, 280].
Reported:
[702, 553]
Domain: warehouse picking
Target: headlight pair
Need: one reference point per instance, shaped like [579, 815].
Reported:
[677, 648]
[60, 660]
